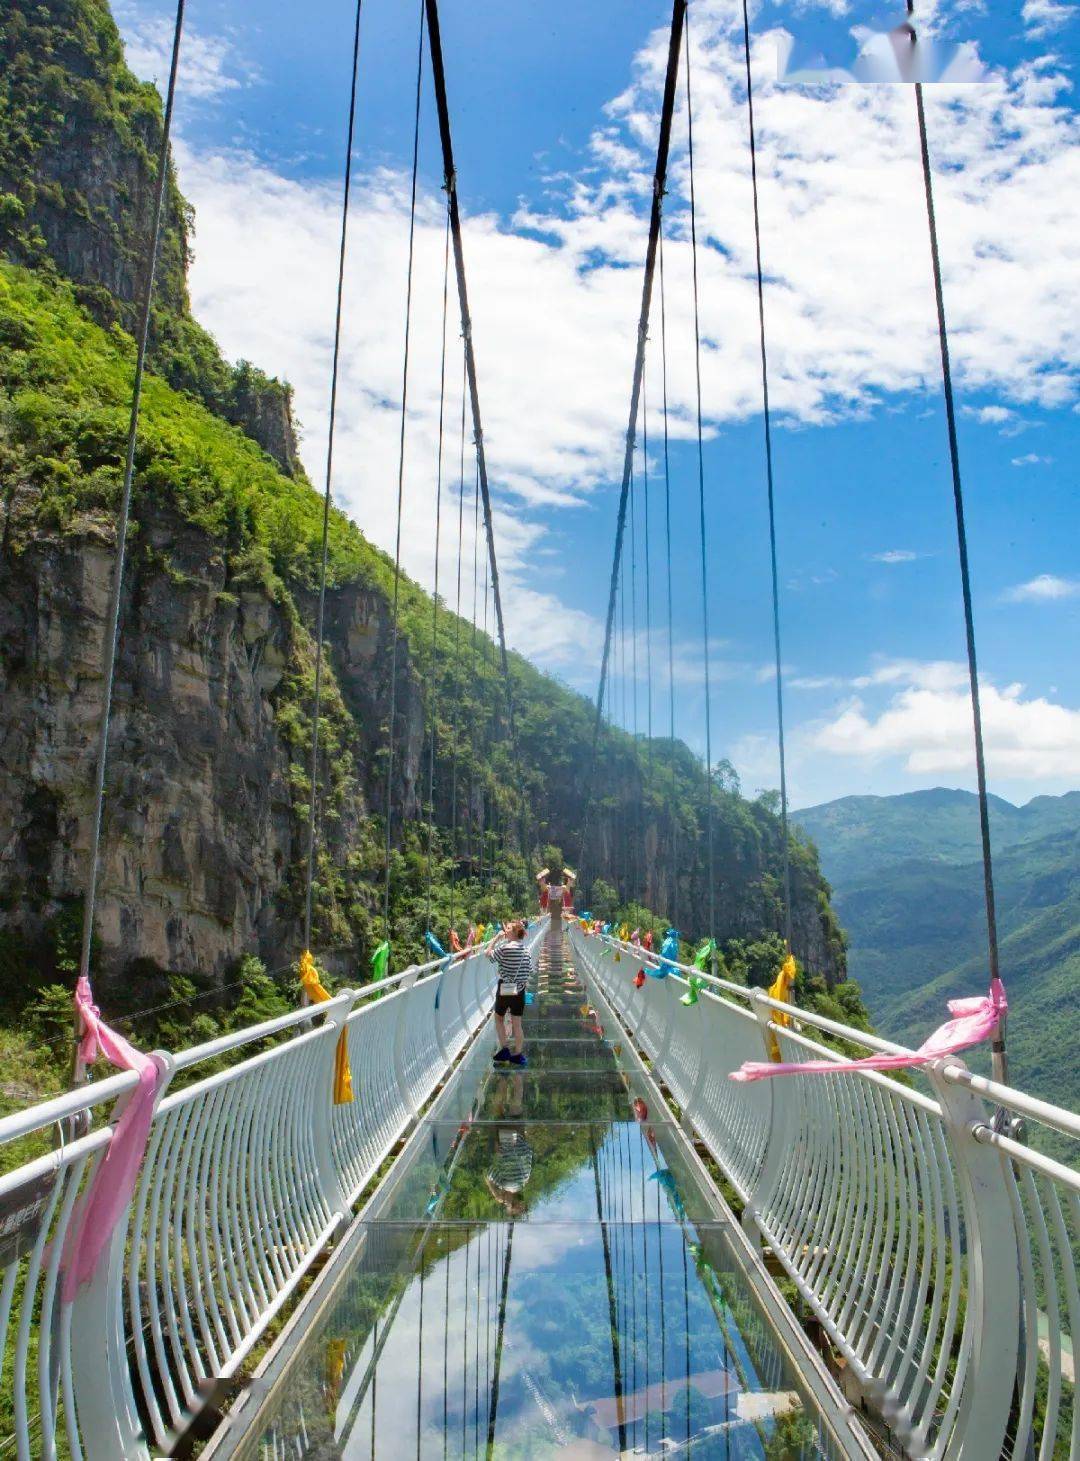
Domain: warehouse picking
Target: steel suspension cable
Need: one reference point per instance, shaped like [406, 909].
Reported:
[701, 505]
[435, 589]
[320, 616]
[401, 477]
[475, 601]
[450, 182]
[112, 632]
[633, 603]
[457, 660]
[648, 590]
[678, 15]
[998, 1054]
[786, 851]
[670, 577]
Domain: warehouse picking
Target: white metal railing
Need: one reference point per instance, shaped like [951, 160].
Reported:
[249, 1174]
[938, 1251]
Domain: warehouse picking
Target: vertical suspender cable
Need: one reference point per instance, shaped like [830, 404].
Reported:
[435, 589]
[472, 667]
[450, 181]
[701, 506]
[670, 614]
[633, 604]
[457, 659]
[112, 629]
[401, 478]
[648, 589]
[320, 616]
[678, 14]
[786, 852]
[1000, 1062]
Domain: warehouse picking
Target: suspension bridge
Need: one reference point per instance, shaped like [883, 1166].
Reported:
[346, 1232]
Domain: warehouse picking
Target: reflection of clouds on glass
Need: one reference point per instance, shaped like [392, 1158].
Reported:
[896, 55]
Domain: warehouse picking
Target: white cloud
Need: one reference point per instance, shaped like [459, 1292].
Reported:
[209, 64]
[1031, 459]
[815, 682]
[895, 555]
[989, 415]
[940, 674]
[1043, 16]
[927, 725]
[555, 289]
[1044, 587]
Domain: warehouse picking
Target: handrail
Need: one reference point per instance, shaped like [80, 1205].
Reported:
[249, 1173]
[1059, 1117]
[937, 1252]
[109, 1088]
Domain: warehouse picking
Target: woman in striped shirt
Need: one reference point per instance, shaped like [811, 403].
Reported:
[515, 969]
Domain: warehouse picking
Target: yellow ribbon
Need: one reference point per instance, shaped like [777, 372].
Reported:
[313, 988]
[780, 989]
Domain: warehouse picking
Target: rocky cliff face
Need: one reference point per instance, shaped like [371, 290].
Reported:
[79, 143]
[204, 828]
[207, 793]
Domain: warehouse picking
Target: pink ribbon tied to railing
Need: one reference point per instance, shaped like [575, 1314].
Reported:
[973, 1020]
[105, 1201]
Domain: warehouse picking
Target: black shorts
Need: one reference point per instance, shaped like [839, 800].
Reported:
[510, 1004]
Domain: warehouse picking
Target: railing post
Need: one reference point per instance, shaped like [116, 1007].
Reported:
[777, 1133]
[992, 1322]
[106, 1414]
[407, 982]
[329, 1174]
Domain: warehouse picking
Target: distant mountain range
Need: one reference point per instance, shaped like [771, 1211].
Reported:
[907, 878]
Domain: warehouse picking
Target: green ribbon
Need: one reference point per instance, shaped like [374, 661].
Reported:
[691, 995]
[380, 959]
[705, 953]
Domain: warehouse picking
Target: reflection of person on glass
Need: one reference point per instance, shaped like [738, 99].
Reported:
[515, 967]
[513, 1154]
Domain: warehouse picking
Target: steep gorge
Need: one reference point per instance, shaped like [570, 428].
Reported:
[208, 784]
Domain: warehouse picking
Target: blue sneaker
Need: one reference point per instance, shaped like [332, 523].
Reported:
[518, 1059]
[502, 1056]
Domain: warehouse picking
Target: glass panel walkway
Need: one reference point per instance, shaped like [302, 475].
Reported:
[548, 1278]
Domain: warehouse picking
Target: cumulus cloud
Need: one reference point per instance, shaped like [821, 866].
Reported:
[895, 555]
[1031, 459]
[556, 287]
[209, 64]
[989, 415]
[927, 726]
[1041, 17]
[1043, 588]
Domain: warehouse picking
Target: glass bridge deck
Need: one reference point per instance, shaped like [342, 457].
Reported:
[547, 1278]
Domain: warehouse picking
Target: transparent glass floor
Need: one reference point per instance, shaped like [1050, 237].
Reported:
[546, 1279]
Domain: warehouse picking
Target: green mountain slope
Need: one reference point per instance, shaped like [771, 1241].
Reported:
[206, 822]
[858, 834]
[917, 924]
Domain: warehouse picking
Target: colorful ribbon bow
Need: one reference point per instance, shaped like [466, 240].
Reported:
[694, 985]
[380, 960]
[972, 1021]
[705, 953]
[669, 952]
[106, 1199]
[317, 994]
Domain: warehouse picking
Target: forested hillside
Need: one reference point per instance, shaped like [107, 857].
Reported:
[908, 887]
[208, 781]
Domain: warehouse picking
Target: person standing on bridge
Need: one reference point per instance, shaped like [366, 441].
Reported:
[515, 967]
[556, 897]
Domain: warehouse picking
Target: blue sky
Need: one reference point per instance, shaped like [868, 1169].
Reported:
[554, 109]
